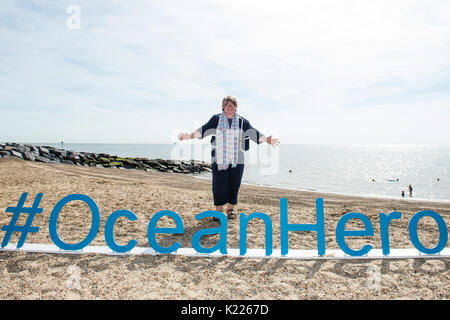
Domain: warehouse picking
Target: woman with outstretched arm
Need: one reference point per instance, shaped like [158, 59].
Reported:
[230, 138]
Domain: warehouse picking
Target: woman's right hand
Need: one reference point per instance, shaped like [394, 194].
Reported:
[184, 136]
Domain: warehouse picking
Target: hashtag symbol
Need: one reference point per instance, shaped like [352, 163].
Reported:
[27, 228]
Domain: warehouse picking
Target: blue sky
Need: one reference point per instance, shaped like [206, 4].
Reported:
[325, 72]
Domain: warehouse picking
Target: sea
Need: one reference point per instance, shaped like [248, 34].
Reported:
[384, 171]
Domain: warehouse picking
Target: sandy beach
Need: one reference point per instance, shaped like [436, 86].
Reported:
[47, 276]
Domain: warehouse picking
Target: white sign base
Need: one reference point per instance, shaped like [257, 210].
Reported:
[331, 254]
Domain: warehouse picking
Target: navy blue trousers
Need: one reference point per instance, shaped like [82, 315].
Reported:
[226, 183]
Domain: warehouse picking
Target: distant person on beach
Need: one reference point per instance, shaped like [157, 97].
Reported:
[410, 188]
[230, 138]
[403, 193]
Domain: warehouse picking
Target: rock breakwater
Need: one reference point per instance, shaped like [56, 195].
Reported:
[48, 154]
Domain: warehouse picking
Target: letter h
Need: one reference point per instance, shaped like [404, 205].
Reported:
[285, 227]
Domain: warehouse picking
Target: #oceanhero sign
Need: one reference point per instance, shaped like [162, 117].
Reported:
[285, 227]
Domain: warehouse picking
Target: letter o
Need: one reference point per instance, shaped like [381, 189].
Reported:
[54, 222]
[443, 233]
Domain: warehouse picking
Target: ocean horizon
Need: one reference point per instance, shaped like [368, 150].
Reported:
[362, 170]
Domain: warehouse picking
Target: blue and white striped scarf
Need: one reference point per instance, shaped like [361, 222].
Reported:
[227, 143]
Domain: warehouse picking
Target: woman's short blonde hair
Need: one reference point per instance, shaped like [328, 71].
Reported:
[229, 99]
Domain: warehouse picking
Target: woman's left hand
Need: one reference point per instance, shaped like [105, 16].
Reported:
[272, 141]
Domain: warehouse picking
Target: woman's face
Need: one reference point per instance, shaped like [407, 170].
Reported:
[230, 109]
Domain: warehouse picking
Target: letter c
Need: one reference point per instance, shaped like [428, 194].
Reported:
[109, 231]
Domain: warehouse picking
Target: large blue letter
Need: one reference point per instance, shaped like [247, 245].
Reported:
[243, 231]
[152, 229]
[443, 233]
[222, 243]
[384, 229]
[319, 227]
[109, 231]
[341, 233]
[52, 227]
